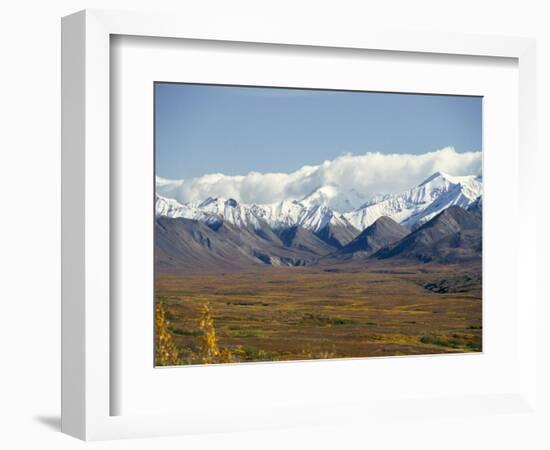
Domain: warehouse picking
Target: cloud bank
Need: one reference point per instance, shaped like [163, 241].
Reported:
[370, 174]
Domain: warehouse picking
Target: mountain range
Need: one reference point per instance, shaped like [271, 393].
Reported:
[437, 220]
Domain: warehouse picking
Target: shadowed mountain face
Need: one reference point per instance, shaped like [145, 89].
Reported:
[299, 238]
[186, 245]
[337, 236]
[193, 246]
[381, 233]
[476, 208]
[453, 236]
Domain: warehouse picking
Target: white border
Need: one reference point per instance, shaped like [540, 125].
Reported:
[141, 389]
[85, 367]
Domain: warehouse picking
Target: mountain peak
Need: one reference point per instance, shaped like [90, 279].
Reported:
[385, 226]
[434, 176]
[320, 195]
[334, 197]
[384, 231]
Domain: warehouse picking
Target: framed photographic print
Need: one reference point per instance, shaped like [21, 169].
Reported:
[266, 228]
[275, 241]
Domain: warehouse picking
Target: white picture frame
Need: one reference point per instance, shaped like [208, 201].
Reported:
[87, 386]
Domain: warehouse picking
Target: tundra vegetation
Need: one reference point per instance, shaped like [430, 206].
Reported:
[300, 313]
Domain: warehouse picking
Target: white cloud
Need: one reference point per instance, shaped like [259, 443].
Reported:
[369, 174]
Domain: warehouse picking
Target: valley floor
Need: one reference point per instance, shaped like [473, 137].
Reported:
[298, 313]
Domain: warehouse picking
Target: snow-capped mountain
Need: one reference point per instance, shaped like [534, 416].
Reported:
[279, 215]
[282, 214]
[290, 213]
[420, 203]
[335, 198]
[317, 211]
[168, 207]
[209, 211]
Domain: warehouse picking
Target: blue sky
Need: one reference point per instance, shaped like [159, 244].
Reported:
[204, 129]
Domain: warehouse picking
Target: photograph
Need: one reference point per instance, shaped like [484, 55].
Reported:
[296, 224]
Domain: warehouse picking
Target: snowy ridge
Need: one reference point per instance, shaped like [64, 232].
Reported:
[284, 214]
[419, 204]
[319, 209]
[210, 210]
[290, 213]
[169, 207]
[335, 198]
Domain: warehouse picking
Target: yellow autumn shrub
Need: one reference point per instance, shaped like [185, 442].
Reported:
[209, 350]
[166, 352]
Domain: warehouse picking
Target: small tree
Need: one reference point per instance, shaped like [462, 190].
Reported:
[166, 353]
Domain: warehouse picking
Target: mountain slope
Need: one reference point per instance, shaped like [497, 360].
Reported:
[193, 246]
[301, 239]
[189, 245]
[452, 236]
[337, 234]
[383, 232]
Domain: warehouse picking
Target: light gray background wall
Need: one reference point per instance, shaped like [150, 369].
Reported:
[29, 222]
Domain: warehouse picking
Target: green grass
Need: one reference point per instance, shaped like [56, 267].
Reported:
[455, 341]
[250, 333]
[435, 340]
[182, 332]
